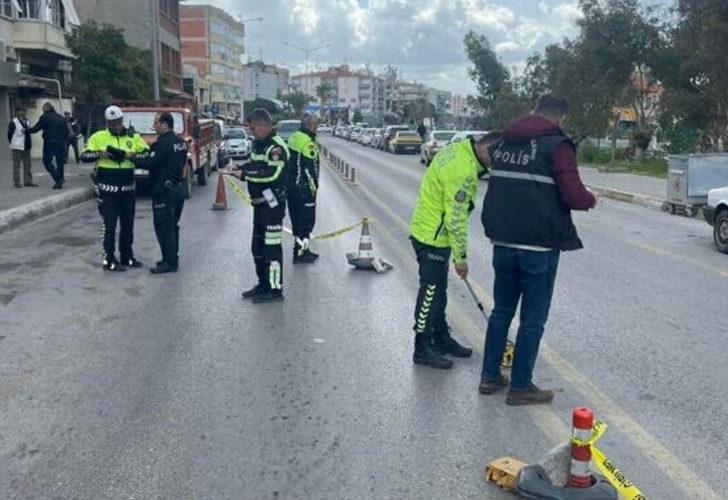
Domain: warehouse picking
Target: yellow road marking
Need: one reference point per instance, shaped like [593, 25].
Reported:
[669, 463]
[666, 253]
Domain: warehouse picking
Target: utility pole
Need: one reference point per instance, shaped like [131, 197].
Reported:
[306, 51]
[154, 17]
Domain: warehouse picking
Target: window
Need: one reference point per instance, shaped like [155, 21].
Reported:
[170, 9]
[57, 13]
[29, 9]
[217, 28]
[217, 69]
[6, 8]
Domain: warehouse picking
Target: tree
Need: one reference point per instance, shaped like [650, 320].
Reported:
[323, 92]
[105, 67]
[297, 100]
[357, 116]
[692, 67]
[487, 71]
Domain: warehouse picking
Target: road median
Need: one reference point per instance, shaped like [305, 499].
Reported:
[12, 218]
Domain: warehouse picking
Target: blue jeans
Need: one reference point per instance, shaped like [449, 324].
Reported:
[527, 276]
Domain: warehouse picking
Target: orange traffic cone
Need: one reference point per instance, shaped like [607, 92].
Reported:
[364, 258]
[220, 202]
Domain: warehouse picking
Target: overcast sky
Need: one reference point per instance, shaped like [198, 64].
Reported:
[424, 38]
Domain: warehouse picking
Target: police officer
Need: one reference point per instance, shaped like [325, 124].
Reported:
[165, 163]
[303, 181]
[439, 229]
[266, 177]
[114, 183]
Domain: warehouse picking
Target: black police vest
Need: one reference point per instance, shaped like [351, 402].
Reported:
[522, 205]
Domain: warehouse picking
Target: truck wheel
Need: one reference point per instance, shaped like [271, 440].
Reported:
[720, 231]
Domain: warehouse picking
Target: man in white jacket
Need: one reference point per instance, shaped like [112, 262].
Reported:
[20, 144]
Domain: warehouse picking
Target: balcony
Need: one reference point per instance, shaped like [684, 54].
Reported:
[32, 34]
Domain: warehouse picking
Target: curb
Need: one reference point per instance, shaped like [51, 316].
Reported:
[627, 197]
[29, 212]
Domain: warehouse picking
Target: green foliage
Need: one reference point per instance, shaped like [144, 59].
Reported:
[105, 67]
[590, 154]
[297, 101]
[487, 71]
[415, 111]
[679, 138]
[357, 117]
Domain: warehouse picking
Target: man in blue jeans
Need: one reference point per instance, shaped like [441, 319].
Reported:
[533, 187]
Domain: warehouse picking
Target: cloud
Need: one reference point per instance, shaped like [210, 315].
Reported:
[423, 37]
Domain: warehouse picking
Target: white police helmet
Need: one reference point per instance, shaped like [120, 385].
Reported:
[113, 113]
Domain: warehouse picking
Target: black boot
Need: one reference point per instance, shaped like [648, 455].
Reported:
[445, 344]
[425, 354]
[268, 296]
[249, 294]
[132, 262]
[307, 257]
[113, 265]
[163, 268]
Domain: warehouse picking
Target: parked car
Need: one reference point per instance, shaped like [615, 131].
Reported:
[220, 128]
[464, 134]
[238, 145]
[436, 140]
[346, 132]
[365, 138]
[716, 214]
[325, 129]
[354, 134]
[200, 139]
[389, 135]
[377, 137]
[286, 128]
[405, 142]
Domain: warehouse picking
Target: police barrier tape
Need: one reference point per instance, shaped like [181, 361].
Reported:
[624, 486]
[242, 195]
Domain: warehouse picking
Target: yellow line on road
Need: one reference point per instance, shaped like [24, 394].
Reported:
[670, 464]
[666, 253]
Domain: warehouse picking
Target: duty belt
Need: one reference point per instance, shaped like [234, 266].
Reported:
[110, 188]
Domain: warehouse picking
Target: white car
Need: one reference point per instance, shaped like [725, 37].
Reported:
[464, 134]
[325, 129]
[716, 214]
[238, 145]
[286, 128]
[436, 140]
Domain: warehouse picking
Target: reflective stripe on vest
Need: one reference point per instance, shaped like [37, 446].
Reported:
[523, 176]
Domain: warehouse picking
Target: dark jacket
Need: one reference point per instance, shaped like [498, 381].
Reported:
[165, 162]
[534, 185]
[267, 167]
[54, 127]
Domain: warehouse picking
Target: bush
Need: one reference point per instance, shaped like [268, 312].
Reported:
[589, 153]
[641, 138]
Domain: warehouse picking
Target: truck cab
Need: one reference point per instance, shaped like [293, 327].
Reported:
[200, 139]
[716, 214]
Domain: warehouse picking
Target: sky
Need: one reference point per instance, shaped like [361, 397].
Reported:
[423, 38]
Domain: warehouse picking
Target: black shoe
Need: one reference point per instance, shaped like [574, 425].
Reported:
[249, 294]
[113, 265]
[267, 296]
[163, 268]
[133, 263]
[57, 185]
[445, 344]
[425, 354]
[306, 258]
[493, 386]
[531, 396]
[31, 184]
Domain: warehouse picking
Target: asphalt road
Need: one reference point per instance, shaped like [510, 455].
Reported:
[133, 386]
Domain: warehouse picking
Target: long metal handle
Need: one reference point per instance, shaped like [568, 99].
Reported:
[475, 298]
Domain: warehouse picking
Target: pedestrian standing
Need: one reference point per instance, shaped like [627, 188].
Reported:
[73, 132]
[534, 184]
[114, 184]
[165, 163]
[265, 175]
[303, 182]
[422, 130]
[20, 145]
[55, 135]
[439, 230]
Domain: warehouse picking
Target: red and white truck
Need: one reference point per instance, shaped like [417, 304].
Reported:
[202, 153]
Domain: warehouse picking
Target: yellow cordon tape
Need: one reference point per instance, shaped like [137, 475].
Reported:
[240, 193]
[624, 486]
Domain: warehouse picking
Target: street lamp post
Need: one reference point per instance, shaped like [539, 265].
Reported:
[306, 51]
[242, 90]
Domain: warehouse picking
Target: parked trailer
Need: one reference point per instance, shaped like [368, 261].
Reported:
[691, 177]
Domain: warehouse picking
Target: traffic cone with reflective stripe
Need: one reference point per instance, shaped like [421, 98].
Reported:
[364, 259]
[220, 202]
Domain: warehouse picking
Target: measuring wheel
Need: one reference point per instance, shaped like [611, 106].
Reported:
[508, 355]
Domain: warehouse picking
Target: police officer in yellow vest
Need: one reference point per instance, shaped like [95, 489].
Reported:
[303, 181]
[114, 184]
[439, 230]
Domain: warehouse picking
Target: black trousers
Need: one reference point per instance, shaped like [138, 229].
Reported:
[267, 245]
[302, 210]
[167, 210]
[432, 296]
[54, 151]
[113, 207]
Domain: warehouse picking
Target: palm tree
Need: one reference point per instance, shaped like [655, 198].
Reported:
[323, 92]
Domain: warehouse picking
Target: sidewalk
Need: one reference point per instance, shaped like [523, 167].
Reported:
[19, 206]
[632, 188]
